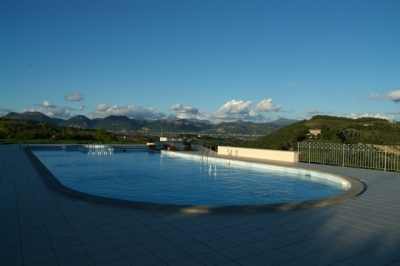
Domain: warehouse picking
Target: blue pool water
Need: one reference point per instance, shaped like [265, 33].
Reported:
[161, 178]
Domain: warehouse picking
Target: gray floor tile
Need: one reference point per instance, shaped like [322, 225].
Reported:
[235, 253]
[105, 256]
[158, 245]
[80, 260]
[148, 259]
[170, 255]
[277, 256]
[212, 258]
[70, 251]
[196, 249]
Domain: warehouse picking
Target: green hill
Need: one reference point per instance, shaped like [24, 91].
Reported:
[333, 129]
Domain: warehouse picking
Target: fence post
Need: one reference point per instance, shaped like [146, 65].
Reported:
[384, 169]
[309, 152]
[343, 155]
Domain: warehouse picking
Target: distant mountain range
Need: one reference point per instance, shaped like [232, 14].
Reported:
[127, 125]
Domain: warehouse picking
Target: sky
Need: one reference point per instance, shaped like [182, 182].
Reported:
[220, 60]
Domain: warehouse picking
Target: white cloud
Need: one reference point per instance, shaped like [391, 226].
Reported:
[184, 109]
[80, 108]
[374, 96]
[293, 84]
[355, 116]
[75, 96]
[52, 111]
[47, 104]
[316, 112]
[393, 96]
[104, 110]
[58, 112]
[4, 111]
[234, 110]
[266, 106]
[313, 112]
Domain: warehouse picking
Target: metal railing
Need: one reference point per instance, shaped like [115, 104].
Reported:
[386, 158]
[23, 142]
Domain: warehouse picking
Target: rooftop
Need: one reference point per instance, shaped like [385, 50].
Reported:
[39, 226]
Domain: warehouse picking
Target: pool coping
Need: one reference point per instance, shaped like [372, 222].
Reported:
[357, 188]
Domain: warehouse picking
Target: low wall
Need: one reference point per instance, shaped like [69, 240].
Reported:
[284, 156]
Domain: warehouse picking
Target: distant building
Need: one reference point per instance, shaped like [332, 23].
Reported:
[314, 133]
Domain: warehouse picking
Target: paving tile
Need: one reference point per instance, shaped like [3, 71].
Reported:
[296, 250]
[383, 257]
[36, 246]
[170, 255]
[257, 247]
[124, 241]
[38, 256]
[204, 236]
[133, 250]
[235, 253]
[158, 245]
[212, 258]
[182, 240]
[54, 228]
[148, 259]
[65, 242]
[116, 233]
[10, 251]
[337, 253]
[12, 260]
[361, 260]
[240, 239]
[70, 251]
[296, 262]
[219, 244]
[119, 262]
[148, 237]
[92, 247]
[105, 256]
[196, 249]
[276, 256]
[319, 259]
[186, 261]
[80, 260]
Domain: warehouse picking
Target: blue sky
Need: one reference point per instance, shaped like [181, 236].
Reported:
[216, 60]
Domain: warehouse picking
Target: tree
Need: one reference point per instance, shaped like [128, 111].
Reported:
[103, 135]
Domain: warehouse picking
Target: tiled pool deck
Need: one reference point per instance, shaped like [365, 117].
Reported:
[39, 226]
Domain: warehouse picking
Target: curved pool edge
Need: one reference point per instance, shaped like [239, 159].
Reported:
[357, 188]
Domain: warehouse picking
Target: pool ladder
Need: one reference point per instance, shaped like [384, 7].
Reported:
[208, 153]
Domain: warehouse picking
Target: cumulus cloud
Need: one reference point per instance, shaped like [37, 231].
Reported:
[184, 109]
[75, 96]
[80, 108]
[393, 96]
[58, 112]
[267, 106]
[234, 110]
[4, 111]
[52, 111]
[293, 84]
[104, 110]
[47, 104]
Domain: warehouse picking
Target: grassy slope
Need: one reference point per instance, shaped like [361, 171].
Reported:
[334, 129]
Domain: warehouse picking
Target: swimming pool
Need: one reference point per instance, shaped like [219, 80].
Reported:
[183, 180]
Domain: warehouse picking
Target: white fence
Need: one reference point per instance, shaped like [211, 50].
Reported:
[370, 156]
